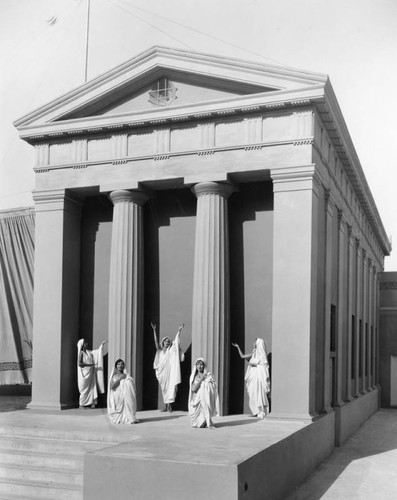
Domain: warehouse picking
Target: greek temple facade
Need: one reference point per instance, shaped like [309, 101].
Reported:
[225, 194]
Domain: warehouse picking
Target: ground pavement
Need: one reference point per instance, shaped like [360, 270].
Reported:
[365, 468]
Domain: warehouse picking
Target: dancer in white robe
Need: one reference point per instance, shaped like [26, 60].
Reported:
[257, 378]
[167, 365]
[121, 396]
[89, 373]
[203, 396]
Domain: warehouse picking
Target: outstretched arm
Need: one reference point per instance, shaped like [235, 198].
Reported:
[182, 325]
[156, 342]
[243, 356]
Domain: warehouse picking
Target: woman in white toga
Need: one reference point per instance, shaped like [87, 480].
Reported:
[121, 396]
[89, 373]
[257, 378]
[167, 365]
[203, 396]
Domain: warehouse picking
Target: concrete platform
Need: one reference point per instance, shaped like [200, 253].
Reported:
[163, 457]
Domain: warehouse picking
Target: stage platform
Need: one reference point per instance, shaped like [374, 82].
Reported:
[163, 457]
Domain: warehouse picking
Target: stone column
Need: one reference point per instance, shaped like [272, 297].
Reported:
[350, 310]
[374, 348]
[126, 283]
[56, 299]
[369, 315]
[364, 282]
[295, 262]
[342, 298]
[358, 316]
[210, 316]
[327, 388]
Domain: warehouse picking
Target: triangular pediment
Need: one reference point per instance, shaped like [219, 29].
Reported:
[166, 89]
[163, 78]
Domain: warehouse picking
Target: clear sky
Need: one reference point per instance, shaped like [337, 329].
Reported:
[353, 41]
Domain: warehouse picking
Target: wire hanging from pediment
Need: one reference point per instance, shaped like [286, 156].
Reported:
[162, 93]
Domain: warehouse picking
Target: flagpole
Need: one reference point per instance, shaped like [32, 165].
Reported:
[86, 41]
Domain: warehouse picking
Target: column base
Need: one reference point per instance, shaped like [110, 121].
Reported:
[50, 406]
[304, 417]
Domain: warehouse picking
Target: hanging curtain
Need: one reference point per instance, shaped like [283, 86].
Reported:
[16, 295]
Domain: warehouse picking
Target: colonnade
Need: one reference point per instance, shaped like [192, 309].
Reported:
[295, 300]
[210, 313]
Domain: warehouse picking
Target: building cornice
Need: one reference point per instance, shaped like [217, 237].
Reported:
[219, 109]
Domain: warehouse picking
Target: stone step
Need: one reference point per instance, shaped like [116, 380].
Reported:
[50, 445]
[52, 476]
[36, 490]
[70, 463]
[64, 434]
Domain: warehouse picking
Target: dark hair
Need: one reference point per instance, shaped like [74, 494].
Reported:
[118, 361]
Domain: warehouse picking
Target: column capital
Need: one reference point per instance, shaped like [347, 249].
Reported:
[57, 199]
[296, 178]
[214, 188]
[124, 195]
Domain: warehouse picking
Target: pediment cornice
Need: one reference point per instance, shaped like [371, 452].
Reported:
[147, 65]
[234, 106]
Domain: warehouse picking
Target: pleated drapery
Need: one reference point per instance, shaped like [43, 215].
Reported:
[16, 295]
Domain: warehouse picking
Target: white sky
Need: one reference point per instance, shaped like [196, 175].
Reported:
[353, 41]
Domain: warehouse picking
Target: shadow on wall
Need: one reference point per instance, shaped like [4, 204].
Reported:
[357, 462]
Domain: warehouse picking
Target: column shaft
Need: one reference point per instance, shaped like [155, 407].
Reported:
[126, 283]
[210, 315]
[295, 249]
[329, 357]
[56, 299]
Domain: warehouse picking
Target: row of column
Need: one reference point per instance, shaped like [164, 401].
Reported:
[294, 300]
[350, 357]
[210, 316]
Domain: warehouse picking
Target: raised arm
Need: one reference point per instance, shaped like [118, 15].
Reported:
[243, 356]
[182, 325]
[156, 342]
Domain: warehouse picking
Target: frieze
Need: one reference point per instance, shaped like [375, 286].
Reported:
[15, 365]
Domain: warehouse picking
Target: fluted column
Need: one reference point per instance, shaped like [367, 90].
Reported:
[342, 298]
[210, 316]
[126, 283]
